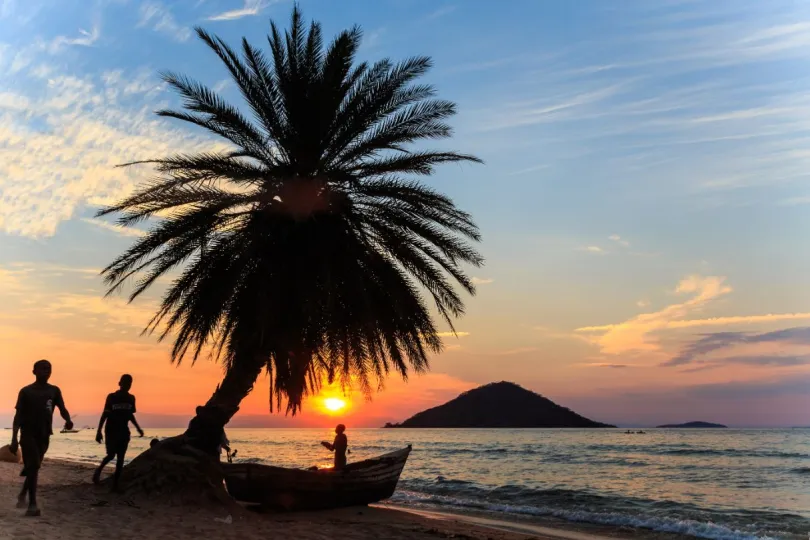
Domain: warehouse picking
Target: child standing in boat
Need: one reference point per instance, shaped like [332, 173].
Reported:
[339, 446]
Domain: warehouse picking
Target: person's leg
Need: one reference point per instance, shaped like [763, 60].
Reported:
[42, 448]
[109, 445]
[97, 474]
[33, 449]
[119, 464]
[22, 498]
[33, 509]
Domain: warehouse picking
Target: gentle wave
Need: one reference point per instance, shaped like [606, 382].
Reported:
[581, 506]
[711, 531]
[732, 452]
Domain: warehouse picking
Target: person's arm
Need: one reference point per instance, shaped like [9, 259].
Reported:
[60, 403]
[329, 446]
[132, 419]
[102, 420]
[16, 424]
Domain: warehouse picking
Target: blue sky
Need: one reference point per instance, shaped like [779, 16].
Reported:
[645, 184]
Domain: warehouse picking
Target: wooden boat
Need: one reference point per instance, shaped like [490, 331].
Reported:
[360, 483]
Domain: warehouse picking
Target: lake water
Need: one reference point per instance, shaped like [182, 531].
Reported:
[718, 484]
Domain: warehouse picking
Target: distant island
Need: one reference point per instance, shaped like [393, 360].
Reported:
[499, 405]
[694, 425]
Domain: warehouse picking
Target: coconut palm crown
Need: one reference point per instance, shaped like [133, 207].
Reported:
[305, 248]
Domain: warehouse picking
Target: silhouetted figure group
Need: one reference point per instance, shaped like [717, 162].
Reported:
[33, 421]
[33, 427]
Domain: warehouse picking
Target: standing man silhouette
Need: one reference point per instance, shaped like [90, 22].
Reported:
[119, 411]
[339, 447]
[34, 418]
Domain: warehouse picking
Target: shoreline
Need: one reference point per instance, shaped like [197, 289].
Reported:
[74, 508]
[547, 527]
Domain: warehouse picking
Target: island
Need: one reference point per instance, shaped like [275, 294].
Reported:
[499, 405]
[694, 425]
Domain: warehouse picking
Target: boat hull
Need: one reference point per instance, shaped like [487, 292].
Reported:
[278, 488]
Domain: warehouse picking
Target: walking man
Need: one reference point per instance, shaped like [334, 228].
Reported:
[33, 420]
[119, 411]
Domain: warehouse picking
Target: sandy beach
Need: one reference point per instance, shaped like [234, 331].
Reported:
[74, 508]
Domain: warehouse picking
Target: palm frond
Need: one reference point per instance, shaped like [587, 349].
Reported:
[306, 249]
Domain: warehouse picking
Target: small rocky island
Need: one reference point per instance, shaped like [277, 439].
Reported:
[499, 405]
[693, 425]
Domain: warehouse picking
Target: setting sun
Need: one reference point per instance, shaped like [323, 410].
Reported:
[334, 405]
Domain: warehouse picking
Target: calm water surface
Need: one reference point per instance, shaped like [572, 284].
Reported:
[719, 484]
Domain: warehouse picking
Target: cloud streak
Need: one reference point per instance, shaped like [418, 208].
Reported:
[85, 39]
[637, 334]
[719, 341]
[159, 18]
[249, 9]
[116, 229]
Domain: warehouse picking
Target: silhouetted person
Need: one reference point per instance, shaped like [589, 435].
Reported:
[225, 445]
[206, 431]
[339, 446]
[34, 419]
[119, 411]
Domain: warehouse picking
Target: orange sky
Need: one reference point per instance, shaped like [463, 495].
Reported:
[601, 370]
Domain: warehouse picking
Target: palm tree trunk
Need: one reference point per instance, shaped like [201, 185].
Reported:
[206, 429]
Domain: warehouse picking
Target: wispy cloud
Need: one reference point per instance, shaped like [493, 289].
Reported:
[220, 86]
[596, 250]
[89, 132]
[116, 229]
[740, 319]
[160, 19]
[441, 12]
[534, 168]
[516, 351]
[372, 39]
[29, 268]
[482, 281]
[451, 334]
[547, 110]
[767, 360]
[85, 39]
[794, 201]
[711, 343]
[640, 333]
[609, 366]
[619, 240]
[637, 334]
[250, 8]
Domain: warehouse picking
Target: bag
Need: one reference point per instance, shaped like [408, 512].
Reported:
[8, 457]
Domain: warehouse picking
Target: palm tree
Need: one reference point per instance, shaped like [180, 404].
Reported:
[302, 249]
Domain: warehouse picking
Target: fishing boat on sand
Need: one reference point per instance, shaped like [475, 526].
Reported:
[360, 483]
